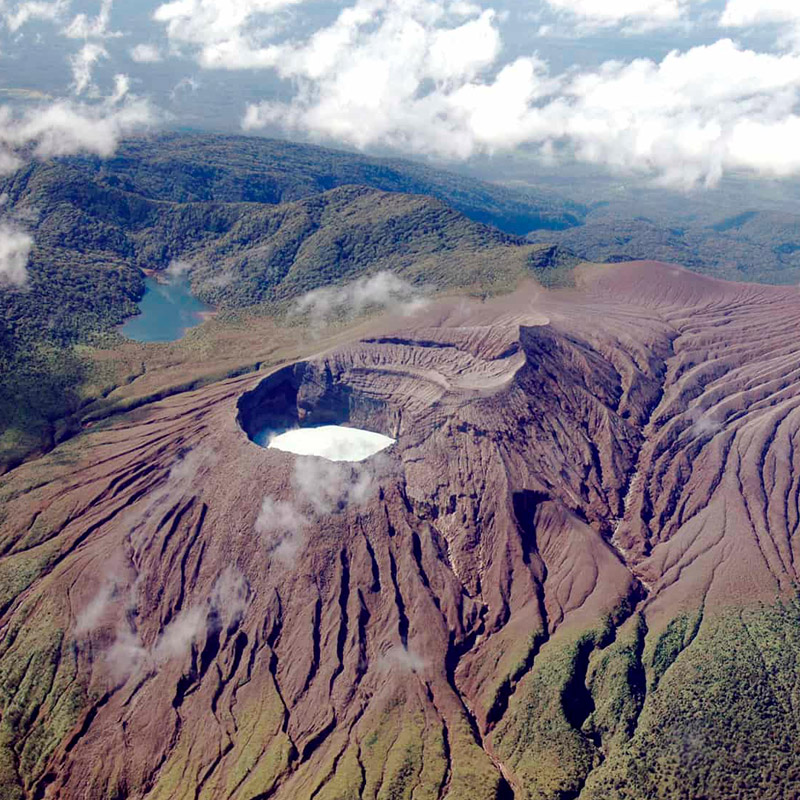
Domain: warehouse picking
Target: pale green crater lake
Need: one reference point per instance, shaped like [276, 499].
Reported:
[167, 311]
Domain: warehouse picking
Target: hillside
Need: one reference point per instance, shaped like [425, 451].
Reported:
[230, 169]
[761, 245]
[574, 574]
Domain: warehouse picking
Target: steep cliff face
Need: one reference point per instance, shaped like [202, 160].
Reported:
[572, 575]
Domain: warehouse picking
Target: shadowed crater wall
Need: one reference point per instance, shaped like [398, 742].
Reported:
[307, 395]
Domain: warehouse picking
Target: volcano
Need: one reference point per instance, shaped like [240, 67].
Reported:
[574, 573]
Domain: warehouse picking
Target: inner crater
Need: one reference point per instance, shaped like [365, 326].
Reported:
[306, 410]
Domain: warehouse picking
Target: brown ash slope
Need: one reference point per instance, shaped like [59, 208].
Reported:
[573, 575]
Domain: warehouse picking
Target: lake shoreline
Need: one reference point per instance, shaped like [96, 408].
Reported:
[167, 311]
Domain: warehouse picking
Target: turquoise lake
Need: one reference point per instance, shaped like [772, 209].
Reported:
[167, 311]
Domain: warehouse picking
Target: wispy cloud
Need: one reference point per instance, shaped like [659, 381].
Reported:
[181, 480]
[178, 269]
[93, 124]
[644, 14]
[84, 26]
[82, 64]
[146, 54]
[230, 598]
[92, 615]
[319, 488]
[402, 659]
[33, 10]
[179, 636]
[15, 247]
[282, 529]
[93, 30]
[326, 486]
[126, 656]
[221, 611]
[66, 127]
[703, 423]
[351, 300]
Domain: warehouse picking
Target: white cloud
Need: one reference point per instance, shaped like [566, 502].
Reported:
[379, 76]
[126, 656]
[429, 77]
[703, 424]
[281, 527]
[222, 610]
[8, 161]
[146, 54]
[643, 13]
[15, 248]
[229, 599]
[229, 33]
[67, 128]
[85, 27]
[746, 14]
[182, 478]
[184, 631]
[319, 488]
[391, 72]
[122, 87]
[688, 119]
[91, 616]
[84, 61]
[741, 13]
[190, 85]
[402, 659]
[381, 290]
[92, 30]
[26, 12]
[82, 64]
[178, 269]
[324, 486]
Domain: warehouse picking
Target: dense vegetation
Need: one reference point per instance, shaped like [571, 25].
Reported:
[720, 718]
[704, 708]
[224, 169]
[761, 246]
[71, 297]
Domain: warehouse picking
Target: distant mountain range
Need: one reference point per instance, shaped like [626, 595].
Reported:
[754, 245]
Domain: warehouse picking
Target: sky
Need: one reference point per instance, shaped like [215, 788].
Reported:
[680, 92]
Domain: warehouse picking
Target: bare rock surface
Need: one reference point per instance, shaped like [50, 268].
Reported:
[188, 615]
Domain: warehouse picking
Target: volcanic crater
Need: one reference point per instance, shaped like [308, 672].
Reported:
[305, 409]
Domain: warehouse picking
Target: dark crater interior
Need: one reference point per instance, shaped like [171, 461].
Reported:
[306, 395]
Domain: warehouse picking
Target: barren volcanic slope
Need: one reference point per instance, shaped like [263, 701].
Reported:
[572, 576]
